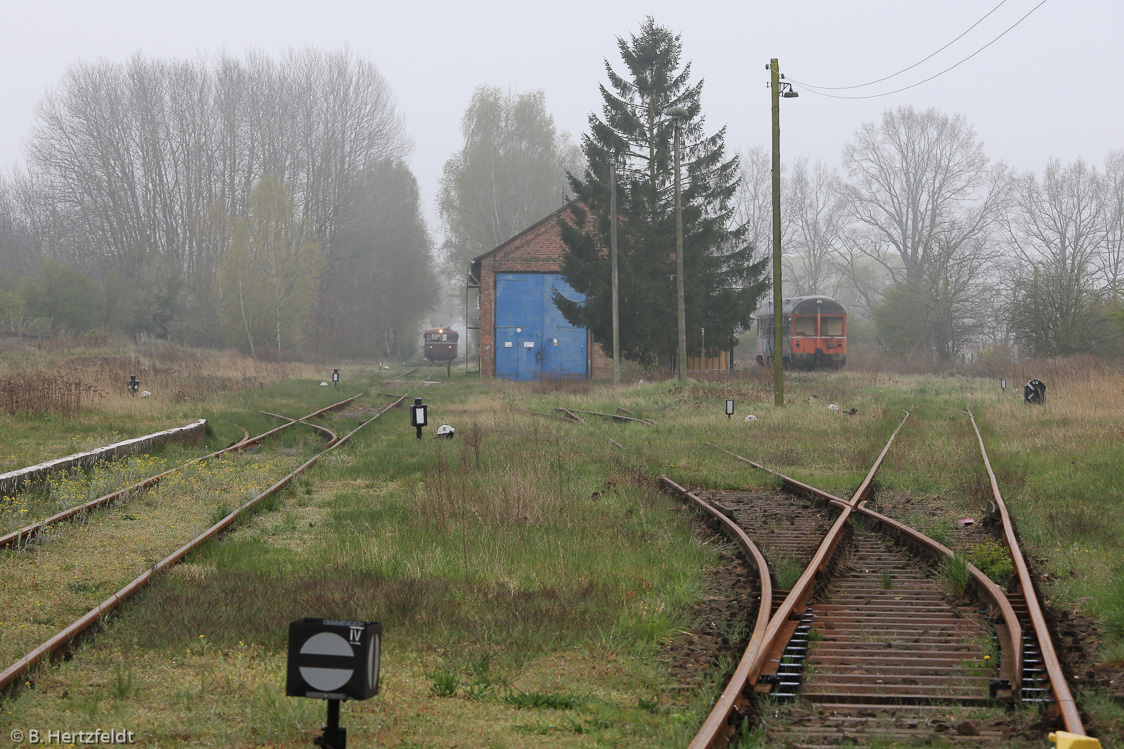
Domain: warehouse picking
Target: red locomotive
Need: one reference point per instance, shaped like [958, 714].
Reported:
[440, 344]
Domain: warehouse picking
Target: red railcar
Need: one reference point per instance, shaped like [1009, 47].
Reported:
[814, 333]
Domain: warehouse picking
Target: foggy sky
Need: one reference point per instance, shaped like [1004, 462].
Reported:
[1049, 88]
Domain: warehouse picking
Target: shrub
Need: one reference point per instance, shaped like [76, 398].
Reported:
[992, 559]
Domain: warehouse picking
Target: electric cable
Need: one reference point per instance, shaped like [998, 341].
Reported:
[911, 67]
[812, 89]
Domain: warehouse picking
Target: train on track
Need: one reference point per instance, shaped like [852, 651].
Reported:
[440, 344]
[814, 333]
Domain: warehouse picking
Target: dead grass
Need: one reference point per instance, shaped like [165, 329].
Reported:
[92, 407]
[172, 374]
[43, 393]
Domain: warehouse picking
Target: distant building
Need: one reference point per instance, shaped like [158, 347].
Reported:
[522, 335]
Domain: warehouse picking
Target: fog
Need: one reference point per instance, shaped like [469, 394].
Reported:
[1046, 89]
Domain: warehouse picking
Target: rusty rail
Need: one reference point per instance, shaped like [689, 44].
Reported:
[65, 637]
[1012, 641]
[1071, 718]
[733, 699]
[399, 377]
[325, 431]
[716, 729]
[1011, 633]
[26, 532]
[614, 417]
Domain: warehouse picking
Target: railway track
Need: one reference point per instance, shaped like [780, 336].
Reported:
[63, 640]
[27, 533]
[858, 639]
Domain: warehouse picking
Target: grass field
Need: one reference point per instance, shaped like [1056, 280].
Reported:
[528, 574]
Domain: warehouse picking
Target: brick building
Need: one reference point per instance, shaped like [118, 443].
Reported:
[523, 336]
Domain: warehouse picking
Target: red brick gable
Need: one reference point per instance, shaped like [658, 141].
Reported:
[537, 249]
[540, 242]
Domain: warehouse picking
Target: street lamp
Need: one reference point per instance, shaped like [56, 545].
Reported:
[777, 90]
[678, 113]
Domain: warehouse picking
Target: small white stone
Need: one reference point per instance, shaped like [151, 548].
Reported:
[833, 407]
[751, 417]
[146, 394]
[323, 384]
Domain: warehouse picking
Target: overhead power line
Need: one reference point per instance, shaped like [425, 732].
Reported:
[821, 89]
[911, 67]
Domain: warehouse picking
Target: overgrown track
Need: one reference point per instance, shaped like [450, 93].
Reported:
[867, 644]
[28, 532]
[64, 639]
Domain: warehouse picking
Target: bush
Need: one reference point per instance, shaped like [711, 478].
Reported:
[992, 559]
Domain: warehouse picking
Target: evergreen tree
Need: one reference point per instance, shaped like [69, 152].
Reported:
[723, 282]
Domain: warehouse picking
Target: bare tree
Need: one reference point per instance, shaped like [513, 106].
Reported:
[924, 201]
[1112, 257]
[753, 200]
[141, 169]
[1057, 229]
[917, 175]
[18, 253]
[815, 219]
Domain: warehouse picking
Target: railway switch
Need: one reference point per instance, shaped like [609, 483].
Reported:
[133, 384]
[333, 660]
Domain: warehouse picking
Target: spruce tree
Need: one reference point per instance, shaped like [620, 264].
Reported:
[723, 282]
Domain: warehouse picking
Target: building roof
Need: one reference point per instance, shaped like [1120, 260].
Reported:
[548, 222]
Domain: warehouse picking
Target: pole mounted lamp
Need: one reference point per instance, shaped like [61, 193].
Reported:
[678, 114]
[336, 376]
[777, 90]
[133, 384]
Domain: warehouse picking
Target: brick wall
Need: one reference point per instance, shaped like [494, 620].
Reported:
[537, 249]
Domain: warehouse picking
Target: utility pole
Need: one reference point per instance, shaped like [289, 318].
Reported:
[778, 321]
[616, 286]
[681, 359]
